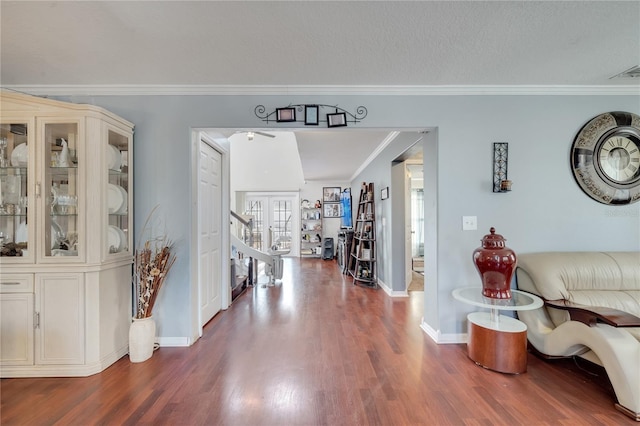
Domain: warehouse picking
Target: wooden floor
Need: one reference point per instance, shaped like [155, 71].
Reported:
[417, 282]
[314, 350]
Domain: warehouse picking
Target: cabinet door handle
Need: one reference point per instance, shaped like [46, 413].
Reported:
[36, 320]
[10, 283]
[38, 189]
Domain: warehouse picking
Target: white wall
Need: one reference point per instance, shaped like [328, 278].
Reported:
[265, 164]
[545, 211]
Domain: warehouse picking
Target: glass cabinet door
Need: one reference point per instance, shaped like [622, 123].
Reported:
[60, 190]
[13, 190]
[118, 160]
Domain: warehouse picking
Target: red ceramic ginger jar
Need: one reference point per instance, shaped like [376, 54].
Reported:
[495, 262]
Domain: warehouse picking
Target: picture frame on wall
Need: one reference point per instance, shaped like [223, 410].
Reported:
[311, 115]
[338, 119]
[384, 193]
[332, 210]
[331, 194]
[284, 115]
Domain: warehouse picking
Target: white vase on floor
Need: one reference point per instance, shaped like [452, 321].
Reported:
[142, 335]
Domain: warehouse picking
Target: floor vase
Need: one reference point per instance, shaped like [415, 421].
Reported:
[142, 335]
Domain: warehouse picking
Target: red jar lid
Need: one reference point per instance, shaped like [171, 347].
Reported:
[493, 240]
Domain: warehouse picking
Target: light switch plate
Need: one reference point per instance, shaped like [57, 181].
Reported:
[469, 223]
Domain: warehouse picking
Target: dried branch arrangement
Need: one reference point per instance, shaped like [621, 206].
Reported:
[152, 263]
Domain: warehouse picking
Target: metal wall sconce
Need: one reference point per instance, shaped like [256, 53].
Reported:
[338, 118]
[501, 182]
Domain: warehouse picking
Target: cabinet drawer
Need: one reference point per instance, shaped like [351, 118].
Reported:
[16, 283]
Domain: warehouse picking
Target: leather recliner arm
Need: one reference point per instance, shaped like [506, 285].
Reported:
[591, 315]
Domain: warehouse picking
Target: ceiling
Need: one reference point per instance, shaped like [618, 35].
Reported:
[242, 47]
[335, 156]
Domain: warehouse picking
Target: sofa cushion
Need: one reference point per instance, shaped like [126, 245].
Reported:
[608, 279]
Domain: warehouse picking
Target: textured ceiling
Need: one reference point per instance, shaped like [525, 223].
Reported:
[351, 43]
[58, 47]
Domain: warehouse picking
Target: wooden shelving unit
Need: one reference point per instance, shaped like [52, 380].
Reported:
[311, 232]
[362, 259]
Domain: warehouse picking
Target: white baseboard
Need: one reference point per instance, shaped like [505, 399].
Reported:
[442, 339]
[391, 292]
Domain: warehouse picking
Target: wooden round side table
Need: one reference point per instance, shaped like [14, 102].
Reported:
[495, 341]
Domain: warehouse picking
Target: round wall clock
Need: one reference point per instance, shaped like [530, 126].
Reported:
[605, 158]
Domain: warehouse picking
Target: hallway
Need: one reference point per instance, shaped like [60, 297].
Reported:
[314, 350]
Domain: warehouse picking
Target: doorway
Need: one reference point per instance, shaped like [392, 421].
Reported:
[275, 219]
[219, 138]
[416, 215]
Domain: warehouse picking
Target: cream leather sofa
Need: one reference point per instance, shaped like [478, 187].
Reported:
[592, 310]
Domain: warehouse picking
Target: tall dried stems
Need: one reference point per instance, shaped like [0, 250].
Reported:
[152, 263]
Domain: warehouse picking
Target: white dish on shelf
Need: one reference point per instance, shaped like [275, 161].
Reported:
[22, 234]
[20, 155]
[123, 239]
[116, 200]
[114, 157]
[116, 239]
[125, 202]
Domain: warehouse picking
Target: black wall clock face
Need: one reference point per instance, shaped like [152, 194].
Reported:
[605, 158]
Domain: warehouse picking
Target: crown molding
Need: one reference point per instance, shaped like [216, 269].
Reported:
[276, 90]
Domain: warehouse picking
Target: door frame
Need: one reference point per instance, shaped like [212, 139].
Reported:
[409, 218]
[408, 254]
[225, 250]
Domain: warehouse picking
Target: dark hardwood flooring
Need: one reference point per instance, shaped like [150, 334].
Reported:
[314, 350]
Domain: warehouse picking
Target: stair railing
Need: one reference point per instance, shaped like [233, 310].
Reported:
[242, 227]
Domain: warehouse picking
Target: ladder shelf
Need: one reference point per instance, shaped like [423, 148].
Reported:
[362, 259]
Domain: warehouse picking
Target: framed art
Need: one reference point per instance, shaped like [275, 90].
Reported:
[331, 194]
[338, 119]
[311, 115]
[284, 115]
[384, 193]
[332, 210]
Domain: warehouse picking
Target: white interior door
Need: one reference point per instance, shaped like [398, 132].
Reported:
[210, 231]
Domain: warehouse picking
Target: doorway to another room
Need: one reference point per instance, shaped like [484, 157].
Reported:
[275, 218]
[415, 218]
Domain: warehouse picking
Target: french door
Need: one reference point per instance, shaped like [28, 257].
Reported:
[277, 212]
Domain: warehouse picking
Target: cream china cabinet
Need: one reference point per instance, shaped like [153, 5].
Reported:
[65, 237]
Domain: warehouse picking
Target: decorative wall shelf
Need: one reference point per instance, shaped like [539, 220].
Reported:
[310, 114]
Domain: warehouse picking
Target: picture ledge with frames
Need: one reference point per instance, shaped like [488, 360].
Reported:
[311, 114]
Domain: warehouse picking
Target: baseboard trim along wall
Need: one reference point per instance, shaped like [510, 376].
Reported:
[390, 292]
[442, 339]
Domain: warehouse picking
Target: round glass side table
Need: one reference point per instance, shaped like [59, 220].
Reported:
[495, 341]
